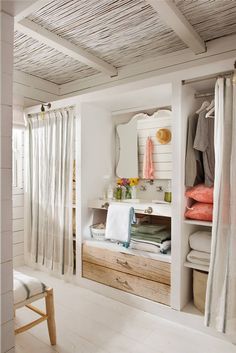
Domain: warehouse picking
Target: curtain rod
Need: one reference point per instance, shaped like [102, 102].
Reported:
[31, 115]
[208, 77]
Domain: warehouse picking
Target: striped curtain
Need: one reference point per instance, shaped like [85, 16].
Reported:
[48, 190]
[221, 289]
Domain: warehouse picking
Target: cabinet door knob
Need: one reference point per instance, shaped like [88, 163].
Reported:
[148, 210]
[105, 205]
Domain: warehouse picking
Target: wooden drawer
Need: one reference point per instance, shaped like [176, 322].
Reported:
[140, 266]
[142, 287]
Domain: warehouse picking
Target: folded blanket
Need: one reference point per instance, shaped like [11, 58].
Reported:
[150, 246]
[147, 228]
[199, 257]
[157, 238]
[200, 241]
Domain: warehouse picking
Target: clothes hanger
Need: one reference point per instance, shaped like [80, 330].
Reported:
[209, 113]
[212, 104]
[204, 105]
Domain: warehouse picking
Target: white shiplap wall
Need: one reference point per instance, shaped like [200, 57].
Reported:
[162, 154]
[18, 219]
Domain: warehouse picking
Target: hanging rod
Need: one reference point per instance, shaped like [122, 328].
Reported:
[208, 77]
[202, 95]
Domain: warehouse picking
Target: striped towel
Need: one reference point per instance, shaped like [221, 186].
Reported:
[26, 287]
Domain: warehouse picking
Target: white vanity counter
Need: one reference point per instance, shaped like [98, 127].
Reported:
[156, 208]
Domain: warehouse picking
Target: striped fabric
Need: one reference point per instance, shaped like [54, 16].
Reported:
[26, 287]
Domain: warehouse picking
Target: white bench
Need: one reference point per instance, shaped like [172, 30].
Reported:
[26, 291]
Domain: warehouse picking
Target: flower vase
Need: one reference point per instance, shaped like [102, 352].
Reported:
[133, 192]
[128, 194]
[118, 193]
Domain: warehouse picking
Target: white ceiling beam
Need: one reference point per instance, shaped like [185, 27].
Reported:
[33, 7]
[52, 40]
[174, 19]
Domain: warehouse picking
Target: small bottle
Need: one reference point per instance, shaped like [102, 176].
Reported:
[168, 194]
[110, 192]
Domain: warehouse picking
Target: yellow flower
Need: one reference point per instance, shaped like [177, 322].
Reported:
[119, 181]
[133, 181]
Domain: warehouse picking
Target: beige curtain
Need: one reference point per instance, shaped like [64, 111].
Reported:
[221, 289]
[48, 190]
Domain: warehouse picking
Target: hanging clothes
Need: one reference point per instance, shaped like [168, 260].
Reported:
[48, 190]
[148, 169]
[204, 142]
[220, 310]
[194, 173]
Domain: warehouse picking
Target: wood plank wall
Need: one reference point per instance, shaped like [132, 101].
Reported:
[18, 220]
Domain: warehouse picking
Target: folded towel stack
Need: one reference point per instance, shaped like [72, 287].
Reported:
[151, 238]
[200, 243]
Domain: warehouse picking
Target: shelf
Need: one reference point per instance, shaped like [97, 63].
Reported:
[118, 247]
[198, 223]
[196, 266]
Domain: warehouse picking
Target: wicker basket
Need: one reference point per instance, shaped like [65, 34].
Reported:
[199, 289]
[97, 232]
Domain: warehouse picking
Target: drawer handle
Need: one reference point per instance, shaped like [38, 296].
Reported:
[123, 283]
[105, 205]
[122, 263]
[148, 210]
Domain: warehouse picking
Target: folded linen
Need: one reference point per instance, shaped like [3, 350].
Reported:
[150, 246]
[200, 241]
[147, 228]
[157, 238]
[118, 225]
[199, 257]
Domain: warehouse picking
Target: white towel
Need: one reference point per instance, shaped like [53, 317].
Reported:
[118, 224]
[200, 241]
[25, 287]
[199, 257]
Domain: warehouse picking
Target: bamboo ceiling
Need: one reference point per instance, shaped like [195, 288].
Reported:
[121, 32]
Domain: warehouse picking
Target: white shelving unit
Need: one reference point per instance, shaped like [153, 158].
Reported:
[198, 223]
[196, 266]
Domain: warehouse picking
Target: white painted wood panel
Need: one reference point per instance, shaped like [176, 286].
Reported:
[162, 154]
[18, 200]
[18, 237]
[18, 214]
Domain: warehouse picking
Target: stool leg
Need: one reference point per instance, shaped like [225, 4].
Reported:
[51, 316]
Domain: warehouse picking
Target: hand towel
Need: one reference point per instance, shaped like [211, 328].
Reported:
[148, 169]
[118, 224]
[200, 241]
[199, 257]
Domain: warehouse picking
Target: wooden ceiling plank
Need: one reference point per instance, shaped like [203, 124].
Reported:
[50, 39]
[172, 16]
[35, 6]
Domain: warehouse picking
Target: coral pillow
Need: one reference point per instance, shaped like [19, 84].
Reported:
[201, 193]
[200, 211]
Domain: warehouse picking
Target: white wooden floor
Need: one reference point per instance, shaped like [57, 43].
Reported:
[90, 323]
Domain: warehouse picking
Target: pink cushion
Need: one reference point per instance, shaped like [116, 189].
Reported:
[200, 211]
[201, 193]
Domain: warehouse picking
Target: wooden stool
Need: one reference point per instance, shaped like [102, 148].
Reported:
[27, 290]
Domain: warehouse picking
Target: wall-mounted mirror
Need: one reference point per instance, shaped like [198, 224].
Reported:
[127, 166]
[132, 138]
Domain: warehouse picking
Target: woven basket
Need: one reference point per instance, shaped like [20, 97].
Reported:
[97, 233]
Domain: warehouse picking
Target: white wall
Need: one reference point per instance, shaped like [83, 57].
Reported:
[6, 281]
